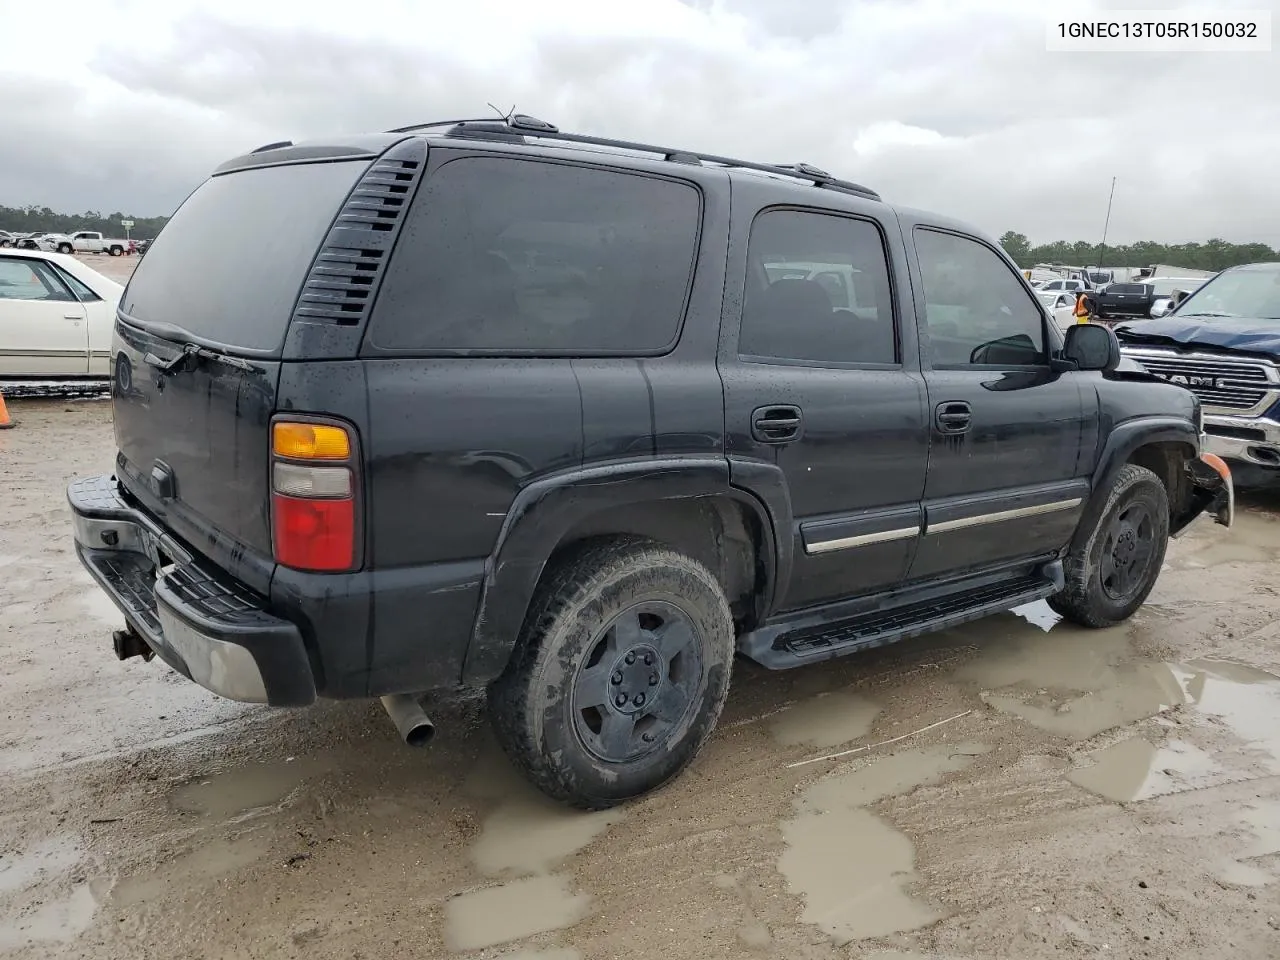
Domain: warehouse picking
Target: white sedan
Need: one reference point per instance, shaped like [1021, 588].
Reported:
[56, 316]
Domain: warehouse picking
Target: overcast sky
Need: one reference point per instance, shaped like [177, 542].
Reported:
[951, 105]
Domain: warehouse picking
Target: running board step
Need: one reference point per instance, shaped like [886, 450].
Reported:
[811, 642]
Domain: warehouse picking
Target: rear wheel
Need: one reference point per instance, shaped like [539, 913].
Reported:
[1111, 573]
[619, 676]
[116, 251]
[64, 248]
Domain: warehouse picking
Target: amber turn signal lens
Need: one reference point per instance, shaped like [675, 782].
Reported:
[310, 441]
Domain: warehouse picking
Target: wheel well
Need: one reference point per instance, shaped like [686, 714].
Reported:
[1165, 459]
[721, 533]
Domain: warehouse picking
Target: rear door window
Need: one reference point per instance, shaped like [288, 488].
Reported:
[513, 256]
[228, 267]
[817, 290]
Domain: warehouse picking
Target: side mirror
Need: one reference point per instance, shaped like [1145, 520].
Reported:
[1161, 307]
[1092, 346]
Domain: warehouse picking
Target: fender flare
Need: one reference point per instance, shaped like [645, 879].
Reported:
[546, 510]
[1121, 443]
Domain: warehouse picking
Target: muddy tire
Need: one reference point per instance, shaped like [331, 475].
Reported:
[619, 674]
[1111, 573]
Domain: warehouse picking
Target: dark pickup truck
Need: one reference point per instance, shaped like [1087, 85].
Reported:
[1124, 301]
[1223, 344]
[579, 420]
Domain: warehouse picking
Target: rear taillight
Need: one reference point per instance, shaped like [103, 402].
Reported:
[313, 496]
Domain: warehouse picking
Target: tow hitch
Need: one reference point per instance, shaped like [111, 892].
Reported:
[128, 643]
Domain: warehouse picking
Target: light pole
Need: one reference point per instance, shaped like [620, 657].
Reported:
[1102, 250]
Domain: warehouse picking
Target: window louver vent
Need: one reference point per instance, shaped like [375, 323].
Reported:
[342, 281]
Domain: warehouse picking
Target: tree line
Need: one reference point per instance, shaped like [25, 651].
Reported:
[1215, 254]
[44, 220]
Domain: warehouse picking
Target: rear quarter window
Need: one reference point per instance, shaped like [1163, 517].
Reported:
[513, 256]
[230, 264]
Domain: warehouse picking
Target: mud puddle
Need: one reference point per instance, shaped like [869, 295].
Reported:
[35, 903]
[524, 838]
[56, 919]
[49, 857]
[512, 911]
[851, 867]
[243, 790]
[195, 866]
[1220, 696]
[1136, 769]
[825, 720]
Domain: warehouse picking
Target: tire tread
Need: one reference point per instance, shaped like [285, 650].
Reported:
[1077, 602]
[514, 703]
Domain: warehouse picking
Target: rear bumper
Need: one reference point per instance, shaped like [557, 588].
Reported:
[212, 630]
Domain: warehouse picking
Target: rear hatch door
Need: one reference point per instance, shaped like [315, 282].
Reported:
[197, 347]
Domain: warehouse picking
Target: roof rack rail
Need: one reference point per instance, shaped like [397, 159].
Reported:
[442, 123]
[526, 126]
[277, 145]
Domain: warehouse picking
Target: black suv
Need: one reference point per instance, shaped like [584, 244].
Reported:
[580, 419]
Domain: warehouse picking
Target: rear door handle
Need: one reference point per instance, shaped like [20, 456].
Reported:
[780, 424]
[954, 416]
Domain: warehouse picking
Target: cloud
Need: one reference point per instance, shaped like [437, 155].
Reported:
[940, 104]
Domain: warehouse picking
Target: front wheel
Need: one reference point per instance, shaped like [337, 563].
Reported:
[64, 248]
[1111, 573]
[619, 675]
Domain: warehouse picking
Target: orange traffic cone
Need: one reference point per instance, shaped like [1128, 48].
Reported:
[5, 422]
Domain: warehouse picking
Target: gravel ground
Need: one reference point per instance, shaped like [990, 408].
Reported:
[1083, 793]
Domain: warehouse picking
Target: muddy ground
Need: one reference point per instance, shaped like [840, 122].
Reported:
[1109, 793]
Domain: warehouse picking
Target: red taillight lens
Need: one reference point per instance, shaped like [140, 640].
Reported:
[314, 534]
[313, 496]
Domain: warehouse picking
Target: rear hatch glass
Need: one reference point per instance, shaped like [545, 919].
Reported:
[225, 272]
[228, 267]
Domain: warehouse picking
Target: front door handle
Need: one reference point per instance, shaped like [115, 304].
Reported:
[954, 416]
[780, 424]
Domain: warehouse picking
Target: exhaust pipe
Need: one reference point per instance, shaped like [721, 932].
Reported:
[416, 728]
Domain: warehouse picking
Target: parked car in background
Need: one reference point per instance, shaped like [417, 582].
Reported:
[90, 241]
[8, 239]
[142, 246]
[1156, 270]
[1124, 301]
[49, 242]
[1223, 344]
[56, 316]
[788, 427]
[1072, 286]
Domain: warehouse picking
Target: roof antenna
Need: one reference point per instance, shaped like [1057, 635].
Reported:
[506, 117]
